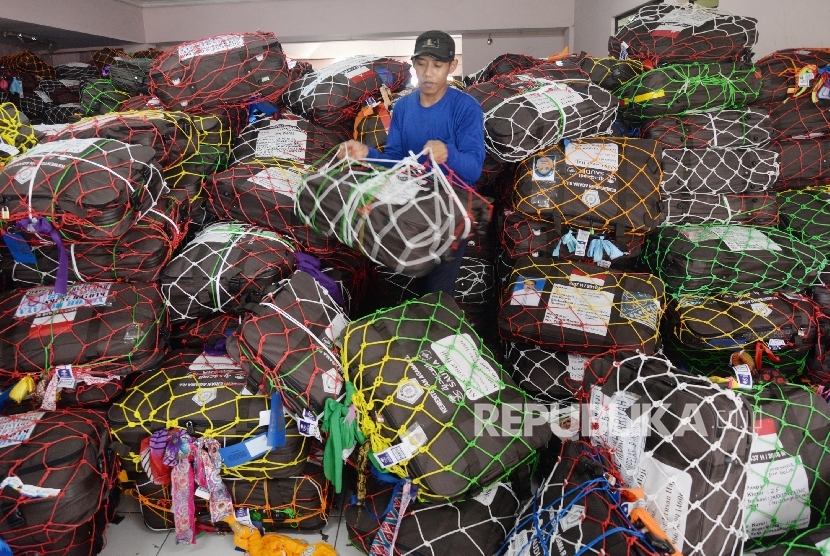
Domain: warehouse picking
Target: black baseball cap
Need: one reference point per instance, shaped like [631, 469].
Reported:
[437, 44]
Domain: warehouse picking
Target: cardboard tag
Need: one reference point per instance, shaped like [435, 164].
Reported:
[202, 493]
[805, 79]
[244, 452]
[581, 242]
[243, 516]
[308, 425]
[19, 248]
[744, 376]
[66, 379]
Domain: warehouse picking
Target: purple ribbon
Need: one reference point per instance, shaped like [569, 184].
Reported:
[311, 265]
[217, 349]
[40, 225]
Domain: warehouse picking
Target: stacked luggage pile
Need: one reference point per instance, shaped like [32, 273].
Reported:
[206, 309]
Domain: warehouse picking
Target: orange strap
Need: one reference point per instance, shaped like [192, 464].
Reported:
[378, 110]
[559, 56]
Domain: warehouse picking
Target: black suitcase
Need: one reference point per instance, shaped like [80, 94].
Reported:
[805, 214]
[548, 376]
[131, 74]
[581, 309]
[757, 209]
[610, 72]
[691, 456]
[707, 260]
[803, 163]
[780, 72]
[101, 97]
[726, 129]
[801, 118]
[718, 171]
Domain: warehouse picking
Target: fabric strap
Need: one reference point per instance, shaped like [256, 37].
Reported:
[42, 226]
[384, 542]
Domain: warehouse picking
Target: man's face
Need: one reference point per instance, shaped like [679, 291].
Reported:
[432, 74]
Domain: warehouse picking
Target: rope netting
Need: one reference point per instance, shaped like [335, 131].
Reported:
[137, 256]
[612, 73]
[804, 117]
[77, 71]
[288, 138]
[105, 56]
[61, 456]
[63, 114]
[474, 526]
[523, 114]
[804, 162]
[520, 235]
[291, 344]
[581, 308]
[404, 217]
[34, 106]
[226, 266]
[98, 328]
[86, 188]
[232, 69]
[28, 62]
[211, 397]
[58, 91]
[735, 258]
[681, 439]
[785, 72]
[476, 282]
[716, 171]
[548, 376]
[505, 64]
[757, 209]
[724, 129]
[131, 74]
[214, 134]
[334, 95]
[683, 89]
[101, 97]
[668, 34]
[805, 214]
[423, 383]
[710, 335]
[16, 135]
[603, 184]
[576, 511]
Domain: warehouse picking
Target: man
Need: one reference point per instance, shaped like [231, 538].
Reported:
[437, 117]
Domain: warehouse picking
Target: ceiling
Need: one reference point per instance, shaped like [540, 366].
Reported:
[161, 3]
[58, 38]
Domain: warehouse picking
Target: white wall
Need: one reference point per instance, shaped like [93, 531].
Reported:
[594, 23]
[477, 53]
[784, 23]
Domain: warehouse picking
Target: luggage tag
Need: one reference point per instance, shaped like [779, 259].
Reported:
[20, 250]
[66, 378]
[276, 425]
[581, 242]
[744, 376]
[308, 425]
[243, 452]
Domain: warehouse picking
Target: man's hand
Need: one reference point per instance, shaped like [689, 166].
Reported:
[356, 150]
[439, 151]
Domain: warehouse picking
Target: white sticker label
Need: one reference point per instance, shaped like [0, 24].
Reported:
[56, 148]
[572, 518]
[409, 392]
[398, 188]
[668, 495]
[582, 236]
[776, 343]
[9, 149]
[744, 238]
[687, 17]
[280, 180]
[335, 330]
[744, 376]
[213, 45]
[284, 139]
[463, 361]
[576, 366]
[551, 98]
[206, 362]
[257, 446]
[332, 382]
[601, 156]
[344, 67]
[579, 309]
[411, 441]
[486, 497]
[42, 301]
[202, 493]
[204, 396]
[243, 516]
[543, 168]
[824, 547]
[55, 319]
[640, 307]
[805, 79]
[264, 418]
[777, 485]
[613, 427]
[66, 378]
[16, 429]
[761, 309]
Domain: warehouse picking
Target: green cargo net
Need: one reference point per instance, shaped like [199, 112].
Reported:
[805, 213]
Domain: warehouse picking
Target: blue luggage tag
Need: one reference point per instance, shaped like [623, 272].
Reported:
[21, 251]
[243, 452]
[276, 427]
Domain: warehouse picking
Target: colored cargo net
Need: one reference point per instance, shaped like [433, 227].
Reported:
[505, 64]
[611, 73]
[233, 69]
[137, 256]
[716, 171]
[77, 71]
[131, 74]
[803, 163]
[67, 454]
[581, 308]
[735, 258]
[105, 56]
[476, 282]
[226, 266]
[801, 118]
[805, 213]
[523, 114]
[608, 185]
[787, 488]
[99, 328]
[287, 138]
[757, 209]
[427, 393]
[16, 135]
[683, 89]
[681, 439]
[576, 511]
[710, 335]
[669, 34]
[28, 62]
[548, 376]
[213, 138]
[148, 53]
[725, 129]
[101, 97]
[335, 93]
[85, 188]
[405, 217]
[291, 344]
[786, 72]
[210, 396]
[476, 526]
[63, 114]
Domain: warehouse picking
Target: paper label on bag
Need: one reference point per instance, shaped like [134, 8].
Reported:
[668, 496]
[243, 516]
[687, 17]
[66, 378]
[205, 362]
[332, 382]
[485, 498]
[410, 442]
[395, 189]
[280, 180]
[600, 156]
[527, 292]
[551, 98]
[42, 301]
[350, 67]
[9, 149]
[213, 45]
[409, 392]
[805, 79]
[622, 431]
[582, 237]
[572, 518]
[777, 485]
[640, 307]
[576, 366]
[307, 425]
[16, 429]
[579, 308]
[824, 546]
[463, 361]
[744, 238]
[56, 148]
[283, 139]
[744, 376]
